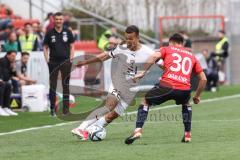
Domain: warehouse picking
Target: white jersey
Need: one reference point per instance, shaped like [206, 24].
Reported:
[125, 65]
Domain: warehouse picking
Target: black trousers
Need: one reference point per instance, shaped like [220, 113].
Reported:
[65, 69]
[212, 80]
[5, 92]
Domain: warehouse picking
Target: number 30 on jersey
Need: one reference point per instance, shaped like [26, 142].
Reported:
[181, 64]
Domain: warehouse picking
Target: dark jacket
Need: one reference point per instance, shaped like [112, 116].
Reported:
[212, 65]
[6, 70]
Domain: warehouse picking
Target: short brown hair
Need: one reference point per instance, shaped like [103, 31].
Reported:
[58, 14]
[132, 29]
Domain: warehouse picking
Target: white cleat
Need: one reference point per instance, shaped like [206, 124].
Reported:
[81, 134]
[3, 112]
[10, 112]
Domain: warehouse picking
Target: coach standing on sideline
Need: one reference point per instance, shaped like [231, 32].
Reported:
[58, 42]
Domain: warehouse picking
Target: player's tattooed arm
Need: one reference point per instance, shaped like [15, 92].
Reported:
[99, 58]
[151, 60]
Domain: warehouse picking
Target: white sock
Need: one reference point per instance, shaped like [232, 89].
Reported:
[93, 117]
[101, 122]
[87, 123]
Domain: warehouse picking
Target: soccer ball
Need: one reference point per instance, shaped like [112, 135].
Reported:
[97, 133]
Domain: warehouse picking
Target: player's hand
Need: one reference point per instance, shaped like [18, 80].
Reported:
[196, 100]
[34, 81]
[138, 76]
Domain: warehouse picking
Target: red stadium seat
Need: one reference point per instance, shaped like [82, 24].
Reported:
[19, 23]
[89, 47]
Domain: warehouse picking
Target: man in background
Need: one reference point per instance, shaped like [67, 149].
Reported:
[6, 73]
[5, 32]
[58, 52]
[221, 48]
[107, 38]
[28, 40]
[67, 20]
[38, 31]
[187, 41]
[21, 68]
[211, 72]
[12, 44]
[221, 53]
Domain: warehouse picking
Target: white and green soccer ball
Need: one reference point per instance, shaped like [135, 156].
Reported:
[97, 133]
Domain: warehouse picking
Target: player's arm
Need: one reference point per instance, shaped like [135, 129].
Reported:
[201, 86]
[71, 42]
[160, 64]
[151, 60]
[46, 43]
[45, 51]
[71, 51]
[99, 58]
[25, 78]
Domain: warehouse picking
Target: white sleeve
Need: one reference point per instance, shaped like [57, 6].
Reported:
[114, 52]
[151, 51]
[160, 62]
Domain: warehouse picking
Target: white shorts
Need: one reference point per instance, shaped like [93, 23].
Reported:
[121, 107]
[124, 96]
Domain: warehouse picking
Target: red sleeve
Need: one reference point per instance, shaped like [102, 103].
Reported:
[197, 67]
[163, 52]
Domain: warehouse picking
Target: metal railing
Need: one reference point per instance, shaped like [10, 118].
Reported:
[96, 20]
[145, 38]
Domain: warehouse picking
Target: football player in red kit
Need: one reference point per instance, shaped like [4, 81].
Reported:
[179, 64]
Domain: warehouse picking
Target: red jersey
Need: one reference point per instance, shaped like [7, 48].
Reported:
[179, 65]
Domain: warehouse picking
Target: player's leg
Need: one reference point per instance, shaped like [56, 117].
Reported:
[65, 70]
[118, 110]
[110, 104]
[115, 113]
[141, 118]
[183, 97]
[53, 74]
[96, 115]
[106, 119]
[117, 104]
[142, 115]
[155, 96]
[81, 130]
[187, 121]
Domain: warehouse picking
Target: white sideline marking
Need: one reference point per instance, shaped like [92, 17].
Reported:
[129, 113]
[36, 128]
[202, 101]
[175, 121]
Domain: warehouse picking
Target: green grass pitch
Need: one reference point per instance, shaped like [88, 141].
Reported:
[215, 134]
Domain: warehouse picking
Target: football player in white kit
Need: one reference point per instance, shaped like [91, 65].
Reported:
[127, 59]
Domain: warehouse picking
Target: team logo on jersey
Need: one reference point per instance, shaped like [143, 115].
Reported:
[53, 39]
[65, 38]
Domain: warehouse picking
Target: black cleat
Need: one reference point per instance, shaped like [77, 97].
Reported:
[53, 114]
[133, 137]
